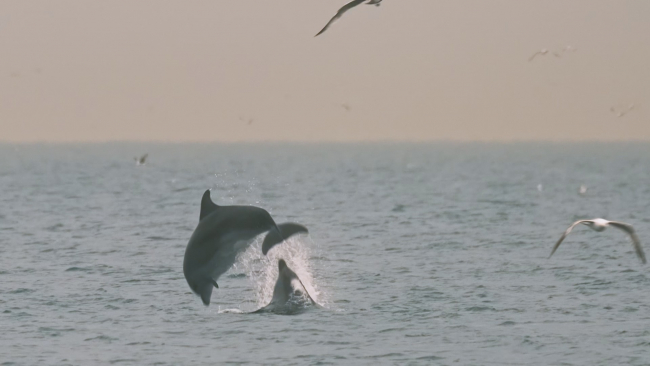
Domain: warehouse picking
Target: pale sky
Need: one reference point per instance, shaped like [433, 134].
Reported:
[409, 70]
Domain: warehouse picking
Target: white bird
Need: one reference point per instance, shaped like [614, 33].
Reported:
[582, 190]
[345, 8]
[540, 187]
[602, 224]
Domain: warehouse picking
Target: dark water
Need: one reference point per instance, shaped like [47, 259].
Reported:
[421, 254]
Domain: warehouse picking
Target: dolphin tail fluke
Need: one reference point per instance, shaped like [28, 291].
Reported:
[286, 230]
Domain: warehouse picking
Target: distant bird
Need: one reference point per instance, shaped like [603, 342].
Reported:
[250, 120]
[346, 106]
[141, 160]
[544, 51]
[569, 48]
[621, 111]
[541, 52]
[582, 190]
[602, 224]
[345, 8]
[540, 187]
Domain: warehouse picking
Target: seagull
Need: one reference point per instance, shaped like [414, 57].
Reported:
[345, 8]
[558, 54]
[602, 224]
[620, 112]
[582, 190]
[141, 160]
[250, 120]
[541, 52]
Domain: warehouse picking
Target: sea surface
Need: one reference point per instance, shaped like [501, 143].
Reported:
[421, 254]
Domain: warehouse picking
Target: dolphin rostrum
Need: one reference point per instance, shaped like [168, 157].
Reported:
[222, 233]
[289, 294]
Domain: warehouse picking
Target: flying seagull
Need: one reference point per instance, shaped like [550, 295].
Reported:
[345, 8]
[544, 51]
[621, 111]
[602, 224]
[541, 52]
[142, 160]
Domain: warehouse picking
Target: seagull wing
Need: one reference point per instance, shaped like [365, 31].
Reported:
[567, 233]
[339, 13]
[635, 239]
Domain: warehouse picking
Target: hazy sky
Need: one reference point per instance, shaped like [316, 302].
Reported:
[83, 70]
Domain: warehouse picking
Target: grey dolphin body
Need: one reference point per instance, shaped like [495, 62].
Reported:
[222, 233]
[289, 294]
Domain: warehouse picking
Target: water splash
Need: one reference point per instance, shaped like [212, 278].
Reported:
[262, 271]
[230, 311]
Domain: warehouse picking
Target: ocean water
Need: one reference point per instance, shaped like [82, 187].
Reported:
[421, 254]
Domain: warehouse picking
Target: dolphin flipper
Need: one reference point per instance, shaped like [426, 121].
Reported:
[287, 230]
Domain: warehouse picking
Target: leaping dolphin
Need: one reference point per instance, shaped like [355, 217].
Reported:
[289, 294]
[222, 233]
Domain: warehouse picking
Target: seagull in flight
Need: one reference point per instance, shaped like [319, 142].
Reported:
[558, 54]
[141, 160]
[541, 52]
[345, 8]
[621, 111]
[602, 224]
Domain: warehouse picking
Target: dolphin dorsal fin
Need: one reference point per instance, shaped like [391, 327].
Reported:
[207, 206]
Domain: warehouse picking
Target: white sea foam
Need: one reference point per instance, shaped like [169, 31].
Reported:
[262, 271]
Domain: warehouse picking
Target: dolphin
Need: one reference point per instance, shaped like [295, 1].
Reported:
[222, 233]
[289, 294]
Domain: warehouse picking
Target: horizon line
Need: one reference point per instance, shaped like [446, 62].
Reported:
[306, 142]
